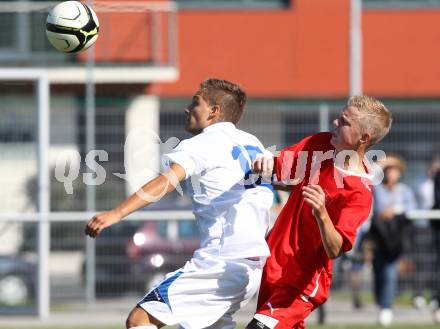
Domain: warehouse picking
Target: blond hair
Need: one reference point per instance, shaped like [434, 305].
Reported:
[375, 117]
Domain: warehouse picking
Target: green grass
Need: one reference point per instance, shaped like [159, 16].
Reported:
[357, 326]
[241, 327]
[52, 326]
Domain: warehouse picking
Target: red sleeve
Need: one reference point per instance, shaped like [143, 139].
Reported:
[356, 211]
[286, 161]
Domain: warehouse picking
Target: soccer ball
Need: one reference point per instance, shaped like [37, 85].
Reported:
[72, 26]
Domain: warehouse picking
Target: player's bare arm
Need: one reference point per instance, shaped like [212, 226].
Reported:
[331, 239]
[161, 185]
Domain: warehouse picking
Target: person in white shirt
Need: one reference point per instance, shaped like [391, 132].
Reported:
[231, 209]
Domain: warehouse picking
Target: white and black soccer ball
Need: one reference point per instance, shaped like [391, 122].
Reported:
[72, 26]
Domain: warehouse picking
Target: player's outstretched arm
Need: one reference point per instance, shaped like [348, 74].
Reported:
[149, 193]
[331, 239]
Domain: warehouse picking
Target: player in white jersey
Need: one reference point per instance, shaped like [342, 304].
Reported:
[232, 212]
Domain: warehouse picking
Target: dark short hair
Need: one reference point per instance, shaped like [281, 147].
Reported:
[228, 95]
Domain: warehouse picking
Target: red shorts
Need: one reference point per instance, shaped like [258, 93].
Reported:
[286, 306]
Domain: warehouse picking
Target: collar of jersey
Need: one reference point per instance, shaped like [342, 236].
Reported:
[351, 173]
[220, 125]
[367, 175]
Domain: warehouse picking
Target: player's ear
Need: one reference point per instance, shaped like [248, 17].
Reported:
[365, 138]
[215, 111]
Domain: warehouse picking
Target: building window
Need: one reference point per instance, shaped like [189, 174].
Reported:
[400, 3]
[22, 34]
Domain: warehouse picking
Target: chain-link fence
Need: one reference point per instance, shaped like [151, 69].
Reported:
[126, 261]
[132, 255]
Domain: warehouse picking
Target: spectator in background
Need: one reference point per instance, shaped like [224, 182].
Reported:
[392, 199]
[359, 255]
[436, 232]
[425, 199]
[425, 191]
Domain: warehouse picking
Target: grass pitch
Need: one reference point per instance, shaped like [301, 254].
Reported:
[241, 327]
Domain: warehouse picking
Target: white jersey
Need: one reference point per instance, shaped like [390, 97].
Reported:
[232, 213]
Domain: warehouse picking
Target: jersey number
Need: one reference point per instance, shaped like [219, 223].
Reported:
[238, 153]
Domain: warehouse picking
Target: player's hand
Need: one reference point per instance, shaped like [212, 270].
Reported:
[263, 166]
[101, 221]
[315, 196]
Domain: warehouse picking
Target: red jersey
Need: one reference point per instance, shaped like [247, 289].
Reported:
[298, 259]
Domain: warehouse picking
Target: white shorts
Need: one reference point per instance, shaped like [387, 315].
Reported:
[204, 293]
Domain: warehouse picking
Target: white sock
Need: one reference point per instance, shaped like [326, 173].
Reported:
[150, 326]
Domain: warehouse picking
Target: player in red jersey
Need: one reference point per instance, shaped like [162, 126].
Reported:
[330, 198]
